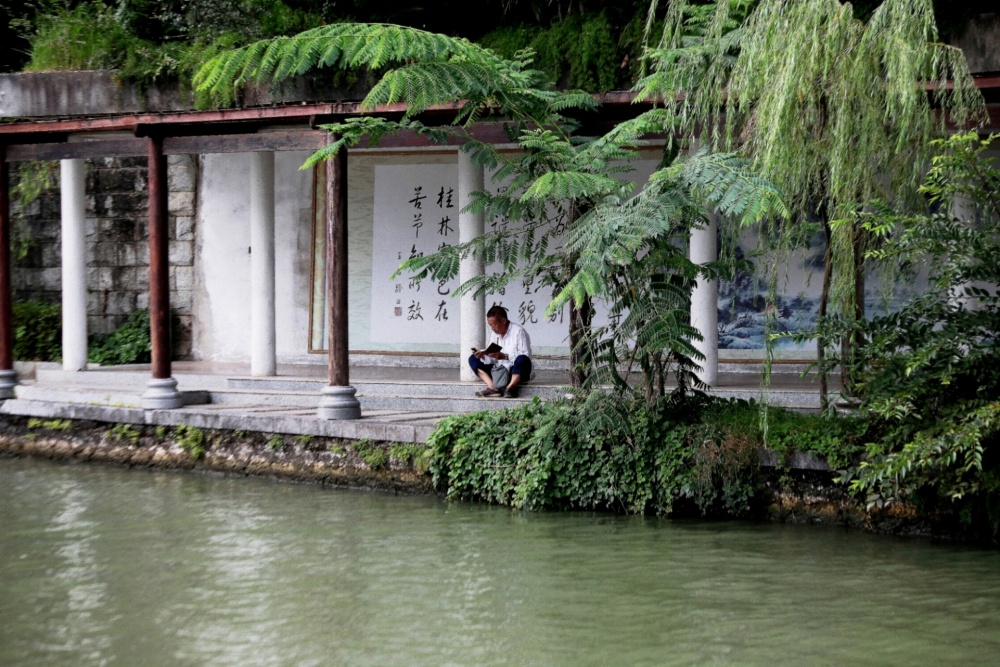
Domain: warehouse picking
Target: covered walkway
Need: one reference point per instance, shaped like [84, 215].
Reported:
[398, 404]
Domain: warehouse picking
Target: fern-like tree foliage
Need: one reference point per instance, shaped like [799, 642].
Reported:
[625, 246]
[421, 69]
[621, 248]
[834, 111]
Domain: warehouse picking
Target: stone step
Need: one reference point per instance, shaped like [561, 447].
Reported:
[457, 397]
[125, 386]
[126, 397]
[123, 377]
[385, 387]
[117, 396]
[465, 402]
[455, 404]
[137, 380]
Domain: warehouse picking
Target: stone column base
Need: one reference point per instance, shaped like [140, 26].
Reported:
[161, 394]
[339, 403]
[8, 380]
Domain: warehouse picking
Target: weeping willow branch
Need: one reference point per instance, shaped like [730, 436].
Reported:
[835, 112]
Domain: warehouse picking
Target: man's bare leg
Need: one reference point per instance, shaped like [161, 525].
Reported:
[487, 378]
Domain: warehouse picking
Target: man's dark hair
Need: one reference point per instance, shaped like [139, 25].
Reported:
[497, 311]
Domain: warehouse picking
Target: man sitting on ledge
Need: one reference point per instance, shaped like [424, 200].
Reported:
[514, 357]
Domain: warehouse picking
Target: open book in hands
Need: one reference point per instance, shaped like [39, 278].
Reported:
[492, 349]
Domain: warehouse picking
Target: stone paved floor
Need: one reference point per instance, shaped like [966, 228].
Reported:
[52, 396]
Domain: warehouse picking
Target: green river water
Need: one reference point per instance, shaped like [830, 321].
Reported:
[105, 566]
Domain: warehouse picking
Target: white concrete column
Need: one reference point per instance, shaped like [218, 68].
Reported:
[74, 265]
[263, 356]
[472, 313]
[705, 300]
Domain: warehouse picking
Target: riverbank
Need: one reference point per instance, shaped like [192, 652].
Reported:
[797, 491]
[394, 467]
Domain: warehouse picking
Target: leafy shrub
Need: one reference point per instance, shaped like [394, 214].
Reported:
[129, 344]
[679, 453]
[37, 331]
[929, 374]
[595, 453]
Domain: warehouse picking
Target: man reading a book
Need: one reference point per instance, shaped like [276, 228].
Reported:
[506, 362]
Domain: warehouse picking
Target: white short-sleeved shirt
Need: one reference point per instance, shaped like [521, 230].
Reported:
[514, 343]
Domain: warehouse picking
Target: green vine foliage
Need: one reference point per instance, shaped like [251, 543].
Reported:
[676, 456]
[33, 179]
[541, 456]
[836, 439]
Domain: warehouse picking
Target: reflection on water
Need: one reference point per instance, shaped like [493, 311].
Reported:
[102, 566]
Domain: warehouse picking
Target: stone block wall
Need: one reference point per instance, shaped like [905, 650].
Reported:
[117, 244]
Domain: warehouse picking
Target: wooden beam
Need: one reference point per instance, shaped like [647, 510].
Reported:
[159, 263]
[78, 150]
[285, 140]
[23, 146]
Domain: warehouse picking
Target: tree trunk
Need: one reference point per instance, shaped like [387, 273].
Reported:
[851, 343]
[580, 316]
[824, 300]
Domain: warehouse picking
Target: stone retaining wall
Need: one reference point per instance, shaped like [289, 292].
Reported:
[354, 464]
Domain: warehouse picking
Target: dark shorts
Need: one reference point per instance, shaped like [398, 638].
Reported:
[522, 367]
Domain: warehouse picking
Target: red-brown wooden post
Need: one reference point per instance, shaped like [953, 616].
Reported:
[338, 400]
[8, 376]
[162, 389]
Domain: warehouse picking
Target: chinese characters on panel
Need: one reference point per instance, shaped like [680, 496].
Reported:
[416, 213]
